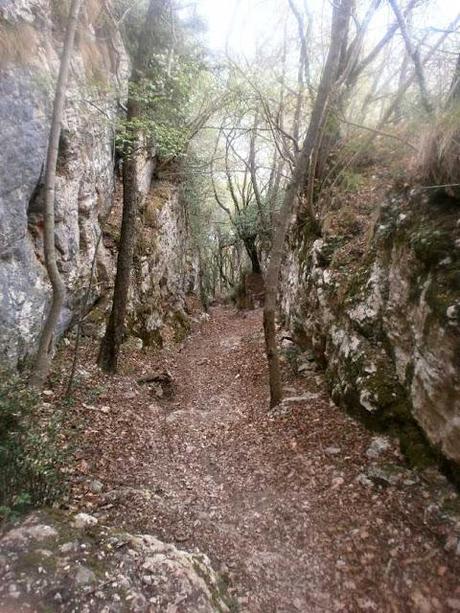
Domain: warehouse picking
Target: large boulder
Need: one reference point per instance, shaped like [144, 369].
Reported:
[56, 562]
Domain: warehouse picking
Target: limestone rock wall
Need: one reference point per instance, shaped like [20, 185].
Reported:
[31, 33]
[382, 314]
[165, 271]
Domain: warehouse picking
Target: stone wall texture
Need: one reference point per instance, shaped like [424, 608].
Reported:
[31, 33]
[382, 314]
[128, 572]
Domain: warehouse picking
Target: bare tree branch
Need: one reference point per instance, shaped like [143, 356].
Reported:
[414, 54]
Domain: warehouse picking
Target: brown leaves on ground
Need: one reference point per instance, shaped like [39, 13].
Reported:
[287, 505]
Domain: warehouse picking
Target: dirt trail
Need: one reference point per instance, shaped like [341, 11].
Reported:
[281, 503]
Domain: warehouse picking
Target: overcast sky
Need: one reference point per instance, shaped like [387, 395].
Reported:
[250, 20]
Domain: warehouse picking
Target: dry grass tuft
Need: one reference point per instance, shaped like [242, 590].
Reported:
[18, 44]
[93, 59]
[91, 12]
[438, 159]
[93, 41]
[95, 11]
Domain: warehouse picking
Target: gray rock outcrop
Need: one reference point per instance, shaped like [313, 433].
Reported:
[382, 315]
[31, 33]
[29, 63]
[59, 563]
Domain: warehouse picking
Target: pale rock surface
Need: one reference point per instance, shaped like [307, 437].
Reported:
[386, 326]
[51, 562]
[85, 190]
[85, 170]
[378, 446]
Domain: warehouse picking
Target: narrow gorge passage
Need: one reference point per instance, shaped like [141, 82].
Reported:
[280, 502]
[208, 209]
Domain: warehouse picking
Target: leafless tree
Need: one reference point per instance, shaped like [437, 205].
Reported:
[414, 54]
[327, 90]
[244, 191]
[42, 363]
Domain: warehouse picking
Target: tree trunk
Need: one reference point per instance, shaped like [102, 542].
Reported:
[113, 338]
[347, 72]
[111, 343]
[251, 250]
[204, 298]
[42, 362]
[339, 27]
[415, 56]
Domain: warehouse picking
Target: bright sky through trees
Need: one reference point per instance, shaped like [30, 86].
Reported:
[249, 21]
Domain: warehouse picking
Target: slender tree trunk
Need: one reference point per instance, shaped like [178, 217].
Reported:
[330, 134]
[253, 171]
[405, 86]
[113, 338]
[303, 62]
[204, 298]
[415, 56]
[340, 20]
[42, 363]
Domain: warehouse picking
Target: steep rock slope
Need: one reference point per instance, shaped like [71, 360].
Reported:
[165, 270]
[381, 311]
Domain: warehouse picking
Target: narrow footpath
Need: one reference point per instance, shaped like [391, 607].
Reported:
[301, 510]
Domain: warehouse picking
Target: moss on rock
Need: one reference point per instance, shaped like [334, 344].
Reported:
[57, 562]
[387, 309]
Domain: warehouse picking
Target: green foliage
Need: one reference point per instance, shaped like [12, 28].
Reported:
[29, 458]
[175, 74]
[351, 181]
[249, 222]
[165, 101]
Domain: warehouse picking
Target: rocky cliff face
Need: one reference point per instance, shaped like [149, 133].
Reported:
[164, 271]
[382, 313]
[31, 34]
